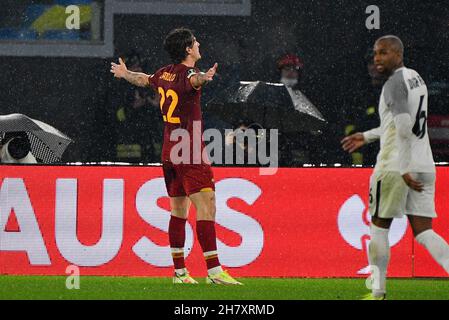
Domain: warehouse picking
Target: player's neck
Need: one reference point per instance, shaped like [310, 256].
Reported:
[393, 71]
[399, 66]
[189, 62]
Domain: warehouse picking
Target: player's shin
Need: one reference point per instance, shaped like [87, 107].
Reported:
[437, 247]
[177, 236]
[379, 257]
[208, 241]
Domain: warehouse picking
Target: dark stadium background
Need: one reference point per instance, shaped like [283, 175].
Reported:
[72, 93]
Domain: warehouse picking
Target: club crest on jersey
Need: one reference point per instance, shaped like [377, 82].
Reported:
[191, 73]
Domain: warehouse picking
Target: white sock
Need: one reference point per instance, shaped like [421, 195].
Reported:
[437, 246]
[215, 271]
[181, 272]
[379, 257]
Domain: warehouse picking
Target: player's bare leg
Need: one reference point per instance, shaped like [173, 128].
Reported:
[434, 243]
[379, 255]
[180, 207]
[177, 234]
[204, 203]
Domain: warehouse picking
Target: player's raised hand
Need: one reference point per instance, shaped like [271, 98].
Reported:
[203, 78]
[353, 142]
[412, 183]
[211, 72]
[119, 70]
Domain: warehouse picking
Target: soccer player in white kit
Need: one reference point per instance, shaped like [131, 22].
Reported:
[403, 181]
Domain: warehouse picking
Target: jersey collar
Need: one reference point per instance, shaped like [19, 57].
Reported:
[400, 69]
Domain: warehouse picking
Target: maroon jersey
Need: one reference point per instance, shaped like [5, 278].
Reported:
[180, 107]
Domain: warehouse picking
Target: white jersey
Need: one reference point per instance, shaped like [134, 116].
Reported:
[404, 92]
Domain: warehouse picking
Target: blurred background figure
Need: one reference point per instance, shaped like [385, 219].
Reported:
[271, 106]
[365, 115]
[226, 50]
[243, 152]
[130, 120]
[290, 67]
[296, 148]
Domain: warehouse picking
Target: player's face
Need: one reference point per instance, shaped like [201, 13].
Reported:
[194, 51]
[290, 73]
[386, 59]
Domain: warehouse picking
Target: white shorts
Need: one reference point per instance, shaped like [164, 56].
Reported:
[391, 198]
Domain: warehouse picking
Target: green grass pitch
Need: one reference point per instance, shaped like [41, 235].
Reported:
[46, 287]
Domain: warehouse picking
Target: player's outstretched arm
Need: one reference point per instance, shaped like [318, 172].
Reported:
[202, 78]
[120, 71]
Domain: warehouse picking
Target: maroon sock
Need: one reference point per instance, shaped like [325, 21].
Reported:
[205, 231]
[177, 236]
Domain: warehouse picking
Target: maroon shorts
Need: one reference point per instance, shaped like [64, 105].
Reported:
[187, 179]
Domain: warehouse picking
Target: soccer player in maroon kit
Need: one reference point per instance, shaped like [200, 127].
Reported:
[179, 86]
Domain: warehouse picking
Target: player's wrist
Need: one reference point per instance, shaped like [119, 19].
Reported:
[126, 74]
[202, 77]
[367, 137]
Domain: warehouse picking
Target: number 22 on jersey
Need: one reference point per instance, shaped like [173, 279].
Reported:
[171, 109]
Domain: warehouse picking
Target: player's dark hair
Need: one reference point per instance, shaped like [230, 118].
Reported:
[176, 43]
